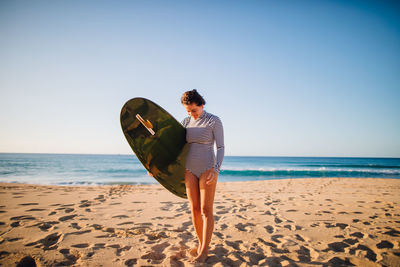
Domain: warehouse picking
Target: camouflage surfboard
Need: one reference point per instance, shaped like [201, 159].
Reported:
[158, 140]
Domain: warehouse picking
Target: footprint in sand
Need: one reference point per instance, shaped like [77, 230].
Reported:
[221, 210]
[336, 247]
[85, 203]
[278, 220]
[28, 204]
[241, 217]
[100, 198]
[301, 238]
[220, 235]
[384, 244]
[26, 261]
[99, 246]
[45, 226]
[71, 257]
[183, 207]
[235, 244]
[23, 218]
[47, 243]
[120, 216]
[167, 205]
[370, 254]
[156, 254]
[120, 250]
[13, 239]
[269, 229]
[305, 254]
[130, 262]
[19, 220]
[223, 226]
[351, 241]
[66, 218]
[275, 238]
[267, 213]
[292, 227]
[125, 223]
[81, 245]
[341, 225]
[392, 232]
[156, 236]
[244, 227]
[76, 226]
[340, 261]
[292, 210]
[254, 258]
[34, 210]
[69, 210]
[18, 194]
[357, 234]
[4, 254]
[15, 224]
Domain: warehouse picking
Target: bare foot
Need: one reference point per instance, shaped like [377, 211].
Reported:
[201, 258]
[193, 252]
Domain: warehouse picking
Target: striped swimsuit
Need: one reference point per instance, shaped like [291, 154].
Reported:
[201, 135]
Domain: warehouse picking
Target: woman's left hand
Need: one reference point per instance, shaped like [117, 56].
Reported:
[211, 176]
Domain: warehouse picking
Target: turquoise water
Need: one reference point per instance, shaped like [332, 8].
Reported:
[75, 169]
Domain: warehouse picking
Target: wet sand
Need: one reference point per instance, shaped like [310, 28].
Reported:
[295, 222]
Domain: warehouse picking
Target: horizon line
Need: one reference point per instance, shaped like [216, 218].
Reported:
[250, 156]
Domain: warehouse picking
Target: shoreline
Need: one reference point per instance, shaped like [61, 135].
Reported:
[155, 183]
[302, 221]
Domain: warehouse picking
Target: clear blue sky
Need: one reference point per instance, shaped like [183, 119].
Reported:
[287, 78]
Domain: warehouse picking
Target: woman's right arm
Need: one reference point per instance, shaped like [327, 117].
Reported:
[218, 132]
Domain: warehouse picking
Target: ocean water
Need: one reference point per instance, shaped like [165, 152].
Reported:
[75, 169]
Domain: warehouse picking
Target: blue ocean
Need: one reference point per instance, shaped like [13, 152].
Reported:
[76, 169]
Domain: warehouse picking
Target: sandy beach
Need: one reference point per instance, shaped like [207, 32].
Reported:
[298, 222]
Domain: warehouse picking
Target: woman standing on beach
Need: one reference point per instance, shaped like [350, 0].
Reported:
[202, 167]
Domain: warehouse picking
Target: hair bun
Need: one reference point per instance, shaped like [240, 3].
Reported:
[192, 97]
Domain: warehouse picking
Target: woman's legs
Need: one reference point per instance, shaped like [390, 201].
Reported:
[207, 193]
[193, 193]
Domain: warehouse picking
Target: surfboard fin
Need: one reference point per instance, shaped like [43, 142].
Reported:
[147, 124]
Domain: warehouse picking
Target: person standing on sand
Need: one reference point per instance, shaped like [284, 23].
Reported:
[202, 167]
